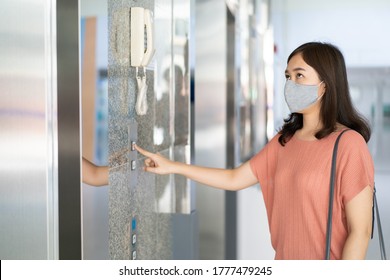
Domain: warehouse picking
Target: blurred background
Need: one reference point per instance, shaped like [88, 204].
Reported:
[215, 97]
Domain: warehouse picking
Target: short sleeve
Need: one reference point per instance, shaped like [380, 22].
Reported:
[263, 164]
[356, 167]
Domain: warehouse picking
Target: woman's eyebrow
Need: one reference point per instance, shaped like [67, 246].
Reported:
[296, 69]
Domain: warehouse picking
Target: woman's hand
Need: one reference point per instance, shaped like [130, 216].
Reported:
[156, 163]
[227, 179]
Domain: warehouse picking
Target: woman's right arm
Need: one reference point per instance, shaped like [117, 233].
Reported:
[226, 179]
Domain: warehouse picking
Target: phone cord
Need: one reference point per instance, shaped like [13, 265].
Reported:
[141, 106]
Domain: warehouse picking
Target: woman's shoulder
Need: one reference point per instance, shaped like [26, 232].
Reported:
[273, 143]
[275, 139]
[352, 140]
[350, 134]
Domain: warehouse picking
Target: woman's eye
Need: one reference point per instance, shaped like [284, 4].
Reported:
[287, 77]
[299, 75]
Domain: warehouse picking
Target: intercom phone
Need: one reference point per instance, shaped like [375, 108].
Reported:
[141, 37]
[132, 32]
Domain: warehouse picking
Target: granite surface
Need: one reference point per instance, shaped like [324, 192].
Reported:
[141, 202]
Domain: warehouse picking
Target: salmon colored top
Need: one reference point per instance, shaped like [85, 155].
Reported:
[295, 180]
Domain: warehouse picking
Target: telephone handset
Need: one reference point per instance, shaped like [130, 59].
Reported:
[135, 36]
[141, 51]
[141, 37]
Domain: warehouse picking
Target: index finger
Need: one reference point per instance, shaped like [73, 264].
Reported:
[142, 151]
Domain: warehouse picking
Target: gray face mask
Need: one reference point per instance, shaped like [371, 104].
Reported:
[300, 97]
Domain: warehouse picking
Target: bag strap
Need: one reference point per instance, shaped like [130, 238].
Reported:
[379, 225]
[331, 196]
[375, 208]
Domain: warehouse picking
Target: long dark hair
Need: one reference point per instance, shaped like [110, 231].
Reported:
[336, 104]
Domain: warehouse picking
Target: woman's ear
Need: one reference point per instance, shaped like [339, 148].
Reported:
[323, 88]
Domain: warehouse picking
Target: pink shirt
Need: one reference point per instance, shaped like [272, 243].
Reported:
[294, 180]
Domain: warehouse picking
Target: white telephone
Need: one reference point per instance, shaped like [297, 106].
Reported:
[134, 36]
[141, 51]
[141, 46]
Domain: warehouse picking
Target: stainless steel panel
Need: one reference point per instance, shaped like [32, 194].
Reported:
[38, 220]
[233, 129]
[251, 215]
[210, 121]
[27, 127]
[229, 110]
[180, 95]
[69, 182]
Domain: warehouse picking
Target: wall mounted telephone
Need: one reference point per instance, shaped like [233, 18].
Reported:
[132, 37]
[141, 51]
[141, 37]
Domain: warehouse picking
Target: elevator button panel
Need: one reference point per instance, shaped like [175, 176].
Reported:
[133, 236]
[132, 153]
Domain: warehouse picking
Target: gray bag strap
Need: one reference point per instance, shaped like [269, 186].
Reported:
[379, 225]
[375, 208]
[331, 196]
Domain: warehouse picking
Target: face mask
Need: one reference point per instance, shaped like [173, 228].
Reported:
[300, 97]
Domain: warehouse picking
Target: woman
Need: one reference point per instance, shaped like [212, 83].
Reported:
[293, 168]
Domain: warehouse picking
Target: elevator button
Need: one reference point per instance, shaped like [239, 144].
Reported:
[133, 165]
[133, 145]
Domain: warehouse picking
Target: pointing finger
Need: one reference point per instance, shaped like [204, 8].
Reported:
[143, 152]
